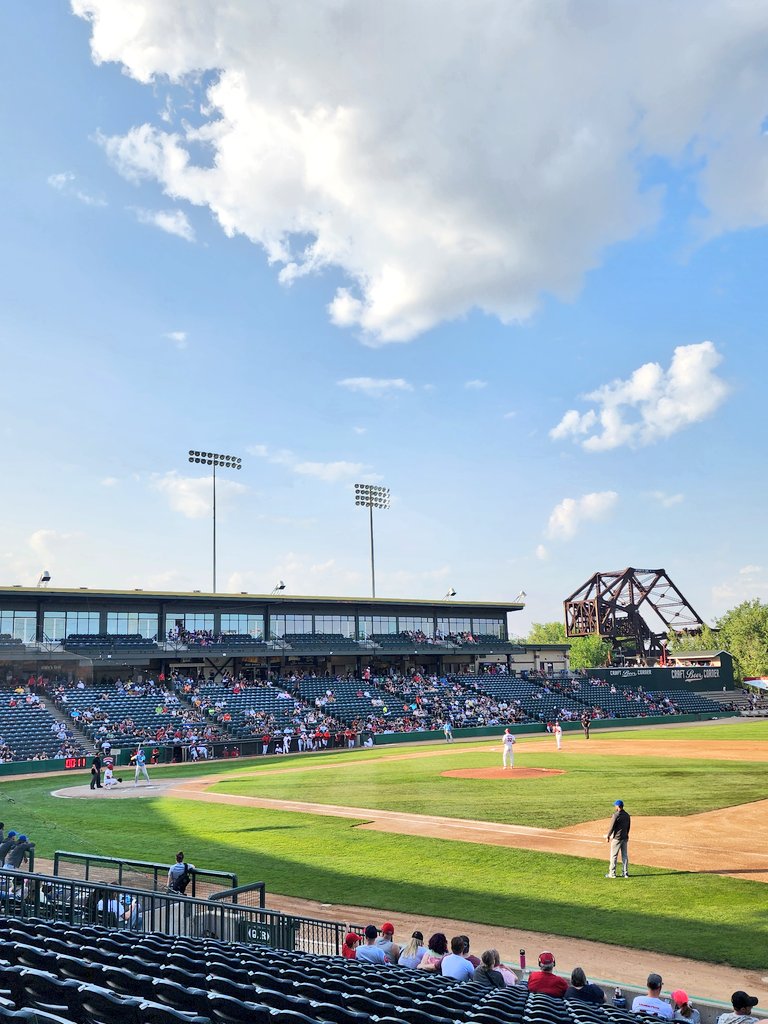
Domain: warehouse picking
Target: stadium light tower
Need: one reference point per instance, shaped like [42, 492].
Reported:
[371, 496]
[213, 459]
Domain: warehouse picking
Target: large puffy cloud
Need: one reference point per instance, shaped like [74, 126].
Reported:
[445, 155]
[570, 514]
[651, 404]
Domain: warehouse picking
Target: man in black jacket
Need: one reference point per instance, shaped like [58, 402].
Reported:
[618, 837]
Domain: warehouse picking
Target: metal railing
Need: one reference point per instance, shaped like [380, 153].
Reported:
[138, 874]
[255, 895]
[81, 903]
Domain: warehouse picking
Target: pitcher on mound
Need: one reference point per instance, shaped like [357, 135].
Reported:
[508, 749]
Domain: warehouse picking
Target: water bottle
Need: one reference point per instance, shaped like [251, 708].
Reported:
[522, 959]
[618, 1000]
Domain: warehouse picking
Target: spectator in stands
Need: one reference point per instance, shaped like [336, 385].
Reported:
[18, 854]
[454, 965]
[683, 1009]
[351, 941]
[387, 943]
[369, 951]
[467, 955]
[486, 974]
[509, 976]
[742, 1005]
[7, 843]
[581, 989]
[410, 955]
[436, 950]
[180, 874]
[652, 1002]
[545, 980]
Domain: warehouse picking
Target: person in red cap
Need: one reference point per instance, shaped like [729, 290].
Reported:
[545, 980]
[351, 941]
[387, 943]
[682, 1007]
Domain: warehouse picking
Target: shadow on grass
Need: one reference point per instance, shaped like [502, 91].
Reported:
[335, 862]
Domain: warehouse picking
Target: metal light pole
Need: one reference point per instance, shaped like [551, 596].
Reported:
[371, 496]
[213, 459]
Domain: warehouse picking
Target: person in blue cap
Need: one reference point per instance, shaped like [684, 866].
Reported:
[7, 843]
[618, 837]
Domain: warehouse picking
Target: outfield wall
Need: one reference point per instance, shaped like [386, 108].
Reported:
[538, 728]
[695, 677]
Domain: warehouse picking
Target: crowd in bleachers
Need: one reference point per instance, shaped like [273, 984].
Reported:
[121, 975]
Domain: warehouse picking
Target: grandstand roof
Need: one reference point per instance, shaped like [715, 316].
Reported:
[196, 596]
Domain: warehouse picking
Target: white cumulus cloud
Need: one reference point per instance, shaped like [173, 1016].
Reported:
[65, 182]
[331, 472]
[179, 338]
[667, 500]
[191, 495]
[173, 222]
[652, 404]
[475, 385]
[375, 387]
[568, 516]
[444, 155]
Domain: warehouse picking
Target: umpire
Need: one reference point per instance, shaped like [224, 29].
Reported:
[618, 837]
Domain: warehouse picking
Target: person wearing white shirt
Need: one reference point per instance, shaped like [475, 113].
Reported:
[653, 1003]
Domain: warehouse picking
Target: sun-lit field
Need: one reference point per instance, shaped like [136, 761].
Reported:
[331, 859]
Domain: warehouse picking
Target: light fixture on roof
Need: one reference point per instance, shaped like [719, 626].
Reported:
[45, 578]
[521, 596]
[372, 496]
[280, 585]
[214, 459]
[450, 593]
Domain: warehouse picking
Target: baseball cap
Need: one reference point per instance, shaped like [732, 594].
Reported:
[351, 937]
[741, 999]
[387, 928]
[11, 834]
[22, 839]
[654, 981]
[371, 931]
[618, 803]
[680, 996]
[546, 958]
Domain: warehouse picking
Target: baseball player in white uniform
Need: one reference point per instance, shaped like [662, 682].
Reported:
[508, 749]
[558, 731]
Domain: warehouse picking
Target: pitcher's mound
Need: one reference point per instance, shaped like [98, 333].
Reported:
[502, 773]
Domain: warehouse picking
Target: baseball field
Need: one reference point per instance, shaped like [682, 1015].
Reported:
[437, 830]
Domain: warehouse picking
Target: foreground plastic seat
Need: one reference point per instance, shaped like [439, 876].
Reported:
[156, 1013]
[41, 991]
[188, 1000]
[79, 970]
[98, 1006]
[126, 983]
[226, 1010]
[31, 956]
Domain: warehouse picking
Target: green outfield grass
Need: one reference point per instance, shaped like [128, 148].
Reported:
[587, 790]
[706, 917]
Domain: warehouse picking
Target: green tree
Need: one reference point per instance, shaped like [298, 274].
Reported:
[589, 652]
[682, 643]
[744, 633]
[547, 633]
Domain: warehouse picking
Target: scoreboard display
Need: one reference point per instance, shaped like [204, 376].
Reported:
[75, 762]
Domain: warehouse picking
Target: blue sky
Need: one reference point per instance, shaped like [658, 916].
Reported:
[406, 276]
